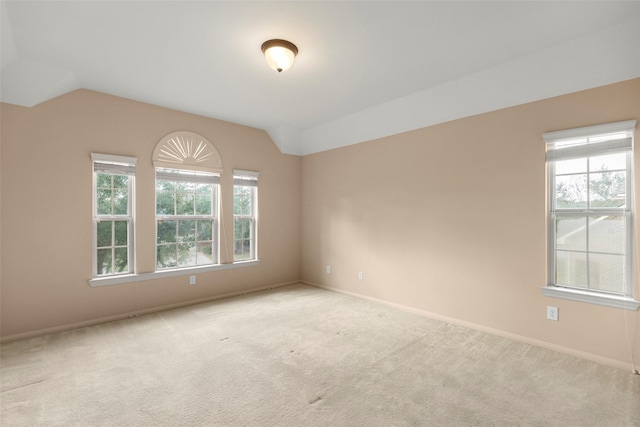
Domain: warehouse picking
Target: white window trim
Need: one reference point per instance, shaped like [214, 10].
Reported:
[111, 158]
[625, 302]
[247, 174]
[122, 160]
[161, 274]
[248, 179]
[589, 131]
[599, 298]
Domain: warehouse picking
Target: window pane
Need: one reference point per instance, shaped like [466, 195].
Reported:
[241, 229]
[204, 188]
[606, 272]
[205, 230]
[120, 201]
[121, 228]
[103, 180]
[186, 254]
[205, 253]
[121, 261]
[572, 166]
[570, 142]
[571, 268]
[608, 234]
[120, 181]
[186, 187]
[608, 189]
[571, 191]
[184, 204]
[242, 250]
[104, 261]
[104, 234]
[166, 232]
[608, 137]
[238, 250]
[166, 256]
[241, 200]
[165, 203]
[186, 231]
[168, 186]
[203, 204]
[193, 238]
[571, 233]
[103, 202]
[609, 162]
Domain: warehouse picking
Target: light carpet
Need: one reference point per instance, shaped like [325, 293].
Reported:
[301, 356]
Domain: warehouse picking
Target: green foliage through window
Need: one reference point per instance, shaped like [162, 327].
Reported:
[185, 222]
[244, 222]
[112, 216]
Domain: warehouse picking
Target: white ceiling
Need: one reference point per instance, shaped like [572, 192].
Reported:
[365, 69]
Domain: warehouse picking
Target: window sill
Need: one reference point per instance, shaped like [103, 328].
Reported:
[615, 301]
[127, 278]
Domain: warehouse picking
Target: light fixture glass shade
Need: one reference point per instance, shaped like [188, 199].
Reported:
[279, 54]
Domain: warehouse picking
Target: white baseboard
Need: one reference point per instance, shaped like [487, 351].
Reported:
[76, 325]
[520, 338]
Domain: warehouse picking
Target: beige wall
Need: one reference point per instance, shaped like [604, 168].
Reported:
[46, 209]
[450, 220]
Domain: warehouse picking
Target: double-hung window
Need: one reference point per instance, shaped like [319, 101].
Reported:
[591, 209]
[186, 218]
[245, 215]
[113, 214]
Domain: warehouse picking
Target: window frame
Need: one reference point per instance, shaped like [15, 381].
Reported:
[248, 179]
[625, 298]
[119, 165]
[199, 177]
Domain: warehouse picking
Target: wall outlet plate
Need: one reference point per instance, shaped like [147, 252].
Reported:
[192, 280]
[552, 313]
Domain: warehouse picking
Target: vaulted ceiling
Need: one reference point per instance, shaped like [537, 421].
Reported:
[365, 69]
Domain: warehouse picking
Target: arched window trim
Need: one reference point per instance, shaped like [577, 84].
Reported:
[188, 151]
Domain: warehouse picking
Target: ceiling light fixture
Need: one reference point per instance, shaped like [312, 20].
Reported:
[279, 54]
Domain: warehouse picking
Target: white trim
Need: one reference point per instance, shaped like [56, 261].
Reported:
[628, 125]
[584, 150]
[186, 175]
[599, 298]
[240, 172]
[97, 157]
[128, 278]
[245, 178]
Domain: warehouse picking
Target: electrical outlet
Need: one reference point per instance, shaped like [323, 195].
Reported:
[192, 280]
[552, 313]
[360, 275]
[328, 269]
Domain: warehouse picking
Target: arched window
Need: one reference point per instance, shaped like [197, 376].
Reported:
[188, 169]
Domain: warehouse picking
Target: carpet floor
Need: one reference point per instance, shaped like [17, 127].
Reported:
[301, 356]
